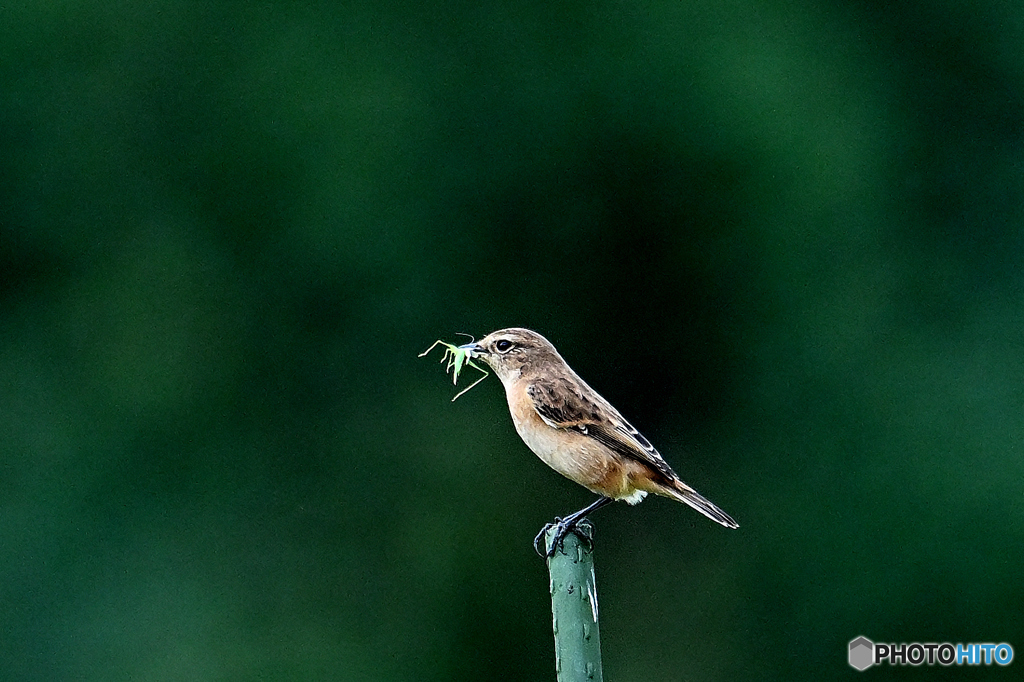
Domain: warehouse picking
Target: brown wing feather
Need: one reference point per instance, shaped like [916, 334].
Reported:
[564, 404]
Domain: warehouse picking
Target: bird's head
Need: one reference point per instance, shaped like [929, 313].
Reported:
[509, 352]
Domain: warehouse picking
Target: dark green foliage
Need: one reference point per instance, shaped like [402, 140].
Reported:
[784, 239]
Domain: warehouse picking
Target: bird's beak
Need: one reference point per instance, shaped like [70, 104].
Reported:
[473, 349]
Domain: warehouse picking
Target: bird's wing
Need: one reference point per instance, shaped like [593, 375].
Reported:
[564, 404]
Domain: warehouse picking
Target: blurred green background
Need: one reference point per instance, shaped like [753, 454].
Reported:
[785, 239]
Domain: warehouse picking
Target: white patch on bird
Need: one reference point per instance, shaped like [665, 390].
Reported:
[547, 421]
[635, 497]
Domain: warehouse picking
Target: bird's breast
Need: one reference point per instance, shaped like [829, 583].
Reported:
[569, 452]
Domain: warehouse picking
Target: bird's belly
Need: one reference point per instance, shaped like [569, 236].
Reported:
[561, 451]
[578, 458]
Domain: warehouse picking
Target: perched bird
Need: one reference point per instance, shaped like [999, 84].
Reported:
[577, 432]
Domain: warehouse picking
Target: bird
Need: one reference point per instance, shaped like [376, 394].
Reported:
[578, 433]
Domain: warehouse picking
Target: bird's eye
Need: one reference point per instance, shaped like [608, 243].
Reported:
[503, 346]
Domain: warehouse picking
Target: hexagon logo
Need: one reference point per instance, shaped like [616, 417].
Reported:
[862, 653]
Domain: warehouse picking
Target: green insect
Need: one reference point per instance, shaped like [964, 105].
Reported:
[457, 357]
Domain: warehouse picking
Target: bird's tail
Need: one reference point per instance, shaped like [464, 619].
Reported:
[681, 492]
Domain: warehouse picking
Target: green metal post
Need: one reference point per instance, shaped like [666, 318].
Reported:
[574, 607]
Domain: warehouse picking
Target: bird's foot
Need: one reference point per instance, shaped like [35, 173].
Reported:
[562, 528]
[539, 542]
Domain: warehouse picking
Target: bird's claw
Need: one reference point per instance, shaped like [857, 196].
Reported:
[562, 528]
[539, 541]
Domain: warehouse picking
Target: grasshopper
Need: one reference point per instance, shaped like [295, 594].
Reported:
[457, 359]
